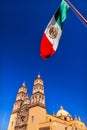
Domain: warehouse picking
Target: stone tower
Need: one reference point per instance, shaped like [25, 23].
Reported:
[38, 97]
[19, 116]
[37, 110]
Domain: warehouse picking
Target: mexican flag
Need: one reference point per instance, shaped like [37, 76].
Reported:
[53, 31]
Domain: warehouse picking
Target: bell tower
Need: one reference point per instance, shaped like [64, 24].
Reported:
[22, 94]
[22, 100]
[37, 110]
[38, 97]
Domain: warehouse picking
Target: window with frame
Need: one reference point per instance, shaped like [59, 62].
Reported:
[32, 119]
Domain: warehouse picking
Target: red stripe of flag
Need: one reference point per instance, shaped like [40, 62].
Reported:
[46, 48]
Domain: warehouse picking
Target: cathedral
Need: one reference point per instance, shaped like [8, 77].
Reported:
[30, 113]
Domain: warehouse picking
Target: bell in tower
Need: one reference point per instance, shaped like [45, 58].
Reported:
[38, 97]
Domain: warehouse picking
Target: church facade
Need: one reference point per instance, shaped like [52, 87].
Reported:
[30, 113]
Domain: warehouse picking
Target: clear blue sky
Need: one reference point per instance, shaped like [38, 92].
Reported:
[22, 24]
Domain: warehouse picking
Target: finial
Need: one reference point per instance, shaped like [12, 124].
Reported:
[53, 113]
[23, 84]
[61, 107]
[38, 75]
[79, 118]
[75, 118]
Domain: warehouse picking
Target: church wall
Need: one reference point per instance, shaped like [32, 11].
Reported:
[36, 115]
[79, 125]
[12, 121]
[54, 118]
[54, 125]
[50, 118]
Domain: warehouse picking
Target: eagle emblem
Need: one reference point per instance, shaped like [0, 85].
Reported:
[53, 32]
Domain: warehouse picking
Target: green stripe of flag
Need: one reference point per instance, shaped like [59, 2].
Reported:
[61, 13]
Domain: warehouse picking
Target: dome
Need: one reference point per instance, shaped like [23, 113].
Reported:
[62, 112]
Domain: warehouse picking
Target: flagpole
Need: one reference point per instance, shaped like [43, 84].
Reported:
[77, 12]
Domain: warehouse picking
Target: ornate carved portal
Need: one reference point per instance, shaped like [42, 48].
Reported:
[20, 127]
[22, 118]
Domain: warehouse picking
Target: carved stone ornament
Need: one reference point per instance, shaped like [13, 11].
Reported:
[22, 120]
[53, 32]
[22, 117]
[20, 127]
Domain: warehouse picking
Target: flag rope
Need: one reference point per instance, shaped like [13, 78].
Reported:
[77, 12]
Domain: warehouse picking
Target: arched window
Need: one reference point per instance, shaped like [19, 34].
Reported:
[65, 128]
[65, 118]
[50, 120]
[40, 96]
